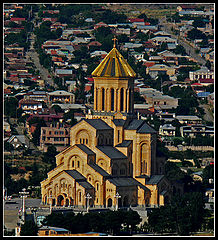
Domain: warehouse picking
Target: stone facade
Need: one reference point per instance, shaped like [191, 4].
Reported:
[111, 151]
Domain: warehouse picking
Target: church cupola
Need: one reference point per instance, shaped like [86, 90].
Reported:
[114, 84]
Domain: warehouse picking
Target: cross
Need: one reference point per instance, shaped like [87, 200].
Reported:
[117, 196]
[114, 39]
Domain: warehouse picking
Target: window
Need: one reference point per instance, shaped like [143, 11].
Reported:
[80, 196]
[72, 163]
[112, 99]
[78, 163]
[121, 99]
[103, 93]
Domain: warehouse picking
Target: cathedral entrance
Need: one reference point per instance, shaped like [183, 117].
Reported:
[125, 201]
[109, 202]
[60, 200]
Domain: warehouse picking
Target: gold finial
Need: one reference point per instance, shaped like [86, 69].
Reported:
[114, 39]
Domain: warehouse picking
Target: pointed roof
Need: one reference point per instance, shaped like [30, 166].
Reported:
[114, 65]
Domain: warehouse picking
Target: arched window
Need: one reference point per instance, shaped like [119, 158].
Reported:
[112, 99]
[103, 96]
[121, 99]
[143, 159]
[130, 99]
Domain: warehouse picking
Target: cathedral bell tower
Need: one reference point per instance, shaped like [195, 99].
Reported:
[113, 86]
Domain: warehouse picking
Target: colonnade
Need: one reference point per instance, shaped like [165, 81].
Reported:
[110, 99]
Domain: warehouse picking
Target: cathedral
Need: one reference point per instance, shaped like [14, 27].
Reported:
[112, 152]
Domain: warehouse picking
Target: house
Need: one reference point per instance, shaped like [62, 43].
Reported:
[53, 231]
[159, 40]
[29, 106]
[136, 21]
[189, 119]
[98, 53]
[130, 45]
[93, 44]
[195, 130]
[167, 130]
[170, 57]
[197, 87]
[158, 100]
[40, 96]
[18, 141]
[61, 96]
[203, 95]
[100, 24]
[157, 69]
[18, 20]
[197, 176]
[71, 106]
[57, 134]
[64, 72]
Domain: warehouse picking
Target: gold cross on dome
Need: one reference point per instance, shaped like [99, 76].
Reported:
[114, 39]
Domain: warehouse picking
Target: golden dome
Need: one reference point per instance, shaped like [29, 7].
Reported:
[114, 65]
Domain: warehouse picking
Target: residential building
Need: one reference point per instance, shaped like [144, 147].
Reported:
[203, 73]
[189, 119]
[53, 231]
[57, 134]
[40, 96]
[167, 130]
[30, 106]
[111, 151]
[61, 96]
[156, 69]
[195, 130]
[18, 141]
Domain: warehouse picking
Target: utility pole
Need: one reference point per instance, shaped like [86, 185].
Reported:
[24, 195]
[117, 196]
[88, 197]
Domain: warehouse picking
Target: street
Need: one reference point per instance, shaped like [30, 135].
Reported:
[33, 55]
[11, 210]
[166, 26]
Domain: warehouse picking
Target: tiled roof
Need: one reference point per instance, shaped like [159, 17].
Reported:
[98, 124]
[99, 169]
[85, 149]
[112, 152]
[155, 179]
[125, 143]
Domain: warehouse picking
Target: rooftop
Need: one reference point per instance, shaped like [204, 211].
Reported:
[114, 65]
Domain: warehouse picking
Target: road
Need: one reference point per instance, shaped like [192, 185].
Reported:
[11, 210]
[33, 56]
[190, 50]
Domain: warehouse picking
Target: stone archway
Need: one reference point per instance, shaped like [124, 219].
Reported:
[109, 202]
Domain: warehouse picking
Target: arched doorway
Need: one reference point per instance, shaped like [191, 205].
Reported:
[60, 200]
[125, 201]
[119, 202]
[67, 202]
[109, 202]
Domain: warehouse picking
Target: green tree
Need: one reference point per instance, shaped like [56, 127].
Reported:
[49, 155]
[10, 107]
[29, 228]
